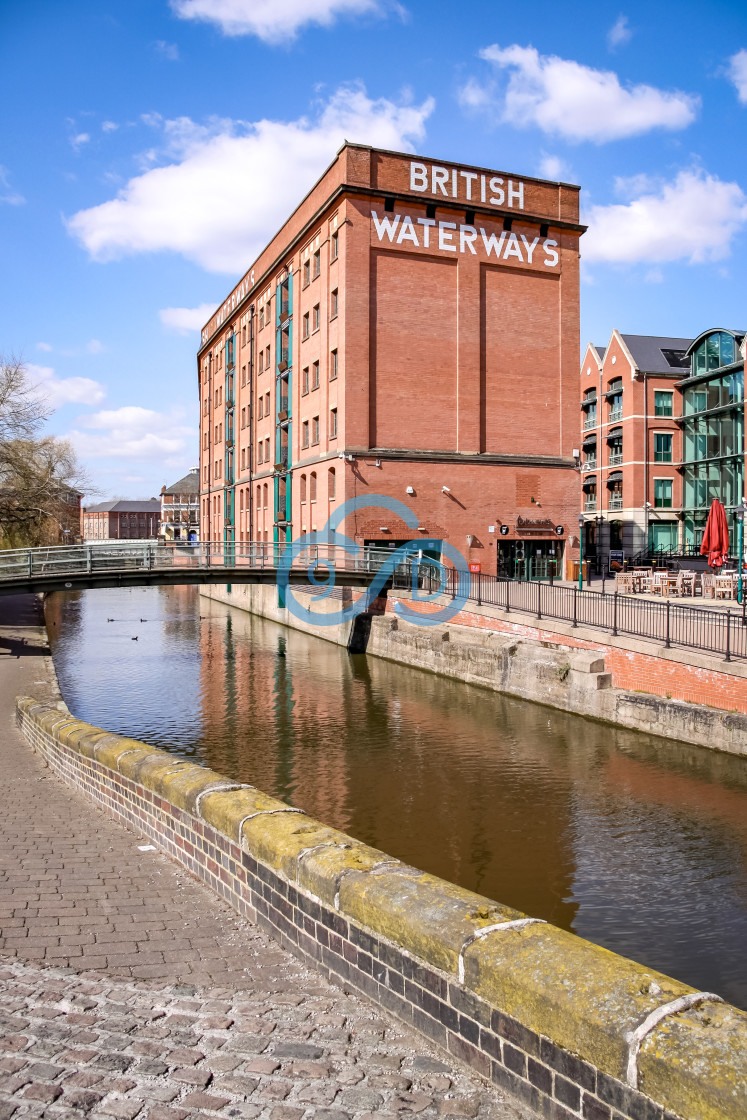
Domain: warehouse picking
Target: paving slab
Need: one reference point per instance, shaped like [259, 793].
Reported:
[128, 989]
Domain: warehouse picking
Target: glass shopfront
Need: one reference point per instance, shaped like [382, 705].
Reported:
[712, 432]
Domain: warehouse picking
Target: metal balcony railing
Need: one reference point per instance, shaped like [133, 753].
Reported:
[615, 503]
[616, 414]
[590, 422]
[590, 505]
[589, 465]
[616, 457]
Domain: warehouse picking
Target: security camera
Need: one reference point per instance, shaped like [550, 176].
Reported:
[445, 490]
[409, 490]
[576, 453]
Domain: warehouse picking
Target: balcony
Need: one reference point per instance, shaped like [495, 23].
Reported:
[615, 503]
[283, 359]
[616, 457]
[590, 505]
[616, 414]
[589, 465]
[590, 422]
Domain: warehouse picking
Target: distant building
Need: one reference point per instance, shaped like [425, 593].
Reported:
[180, 508]
[662, 424]
[122, 520]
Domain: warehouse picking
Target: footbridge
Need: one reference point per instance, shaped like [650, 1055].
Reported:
[150, 563]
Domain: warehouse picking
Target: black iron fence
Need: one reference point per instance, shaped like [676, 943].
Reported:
[721, 632]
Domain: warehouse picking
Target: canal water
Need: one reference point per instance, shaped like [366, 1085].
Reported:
[634, 842]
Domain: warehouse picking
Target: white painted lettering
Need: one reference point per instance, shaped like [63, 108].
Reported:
[453, 183]
[493, 242]
[529, 248]
[496, 190]
[418, 177]
[515, 192]
[550, 248]
[385, 225]
[467, 237]
[439, 178]
[468, 176]
[513, 248]
[251, 276]
[407, 232]
[426, 223]
[482, 188]
[444, 238]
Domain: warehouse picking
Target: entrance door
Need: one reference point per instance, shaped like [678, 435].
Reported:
[530, 559]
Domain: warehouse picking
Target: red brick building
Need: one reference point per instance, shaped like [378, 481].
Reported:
[121, 520]
[412, 330]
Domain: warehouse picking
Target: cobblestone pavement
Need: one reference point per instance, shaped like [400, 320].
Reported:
[128, 989]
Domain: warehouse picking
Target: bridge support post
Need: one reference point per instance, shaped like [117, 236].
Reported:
[89, 559]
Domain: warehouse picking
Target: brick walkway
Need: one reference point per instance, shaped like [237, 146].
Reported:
[128, 989]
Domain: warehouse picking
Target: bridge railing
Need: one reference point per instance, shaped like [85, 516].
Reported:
[120, 556]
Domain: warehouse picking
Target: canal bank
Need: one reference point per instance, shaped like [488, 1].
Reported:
[673, 693]
[566, 1026]
[129, 989]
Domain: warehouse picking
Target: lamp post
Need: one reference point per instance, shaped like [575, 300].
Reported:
[739, 513]
[581, 552]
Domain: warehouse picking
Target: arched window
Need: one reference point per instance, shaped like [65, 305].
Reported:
[303, 487]
[331, 483]
[717, 350]
[312, 486]
[241, 498]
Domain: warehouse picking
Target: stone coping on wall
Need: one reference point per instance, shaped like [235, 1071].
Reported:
[571, 1028]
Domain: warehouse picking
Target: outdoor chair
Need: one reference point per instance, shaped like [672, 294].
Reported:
[708, 585]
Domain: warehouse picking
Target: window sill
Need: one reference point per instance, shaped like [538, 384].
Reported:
[333, 317]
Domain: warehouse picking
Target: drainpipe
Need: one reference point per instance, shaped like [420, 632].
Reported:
[645, 462]
[251, 422]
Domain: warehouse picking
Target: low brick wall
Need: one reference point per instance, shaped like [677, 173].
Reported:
[570, 1028]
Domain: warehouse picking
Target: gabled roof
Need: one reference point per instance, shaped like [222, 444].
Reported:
[657, 353]
[601, 350]
[190, 484]
[150, 505]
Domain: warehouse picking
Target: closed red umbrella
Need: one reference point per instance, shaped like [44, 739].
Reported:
[715, 543]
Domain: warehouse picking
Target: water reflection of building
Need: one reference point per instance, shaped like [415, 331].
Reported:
[393, 757]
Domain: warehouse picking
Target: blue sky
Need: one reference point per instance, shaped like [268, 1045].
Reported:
[149, 149]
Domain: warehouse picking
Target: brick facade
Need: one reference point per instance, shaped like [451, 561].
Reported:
[412, 331]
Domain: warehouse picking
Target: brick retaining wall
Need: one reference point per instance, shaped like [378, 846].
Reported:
[555, 1020]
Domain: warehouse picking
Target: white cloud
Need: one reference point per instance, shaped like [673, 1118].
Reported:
[738, 74]
[95, 347]
[619, 34]
[43, 346]
[272, 20]
[553, 167]
[169, 51]
[132, 432]
[109, 126]
[79, 140]
[233, 184]
[186, 319]
[7, 194]
[564, 98]
[65, 390]
[693, 218]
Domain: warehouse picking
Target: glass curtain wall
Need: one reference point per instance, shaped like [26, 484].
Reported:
[712, 434]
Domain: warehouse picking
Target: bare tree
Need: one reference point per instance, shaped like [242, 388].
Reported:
[23, 408]
[41, 481]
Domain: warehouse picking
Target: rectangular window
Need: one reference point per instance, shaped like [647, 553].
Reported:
[243, 418]
[305, 434]
[333, 247]
[243, 458]
[243, 375]
[315, 318]
[306, 272]
[663, 493]
[333, 305]
[662, 403]
[260, 459]
[333, 365]
[305, 330]
[261, 361]
[267, 404]
[267, 358]
[333, 424]
[305, 381]
[315, 375]
[259, 408]
[315, 430]
[261, 317]
[317, 262]
[662, 447]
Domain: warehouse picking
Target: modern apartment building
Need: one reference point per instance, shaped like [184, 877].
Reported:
[662, 435]
[412, 331]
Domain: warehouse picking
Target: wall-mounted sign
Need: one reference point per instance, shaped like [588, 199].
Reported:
[474, 567]
[559, 530]
[504, 530]
[469, 186]
[453, 237]
[535, 525]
